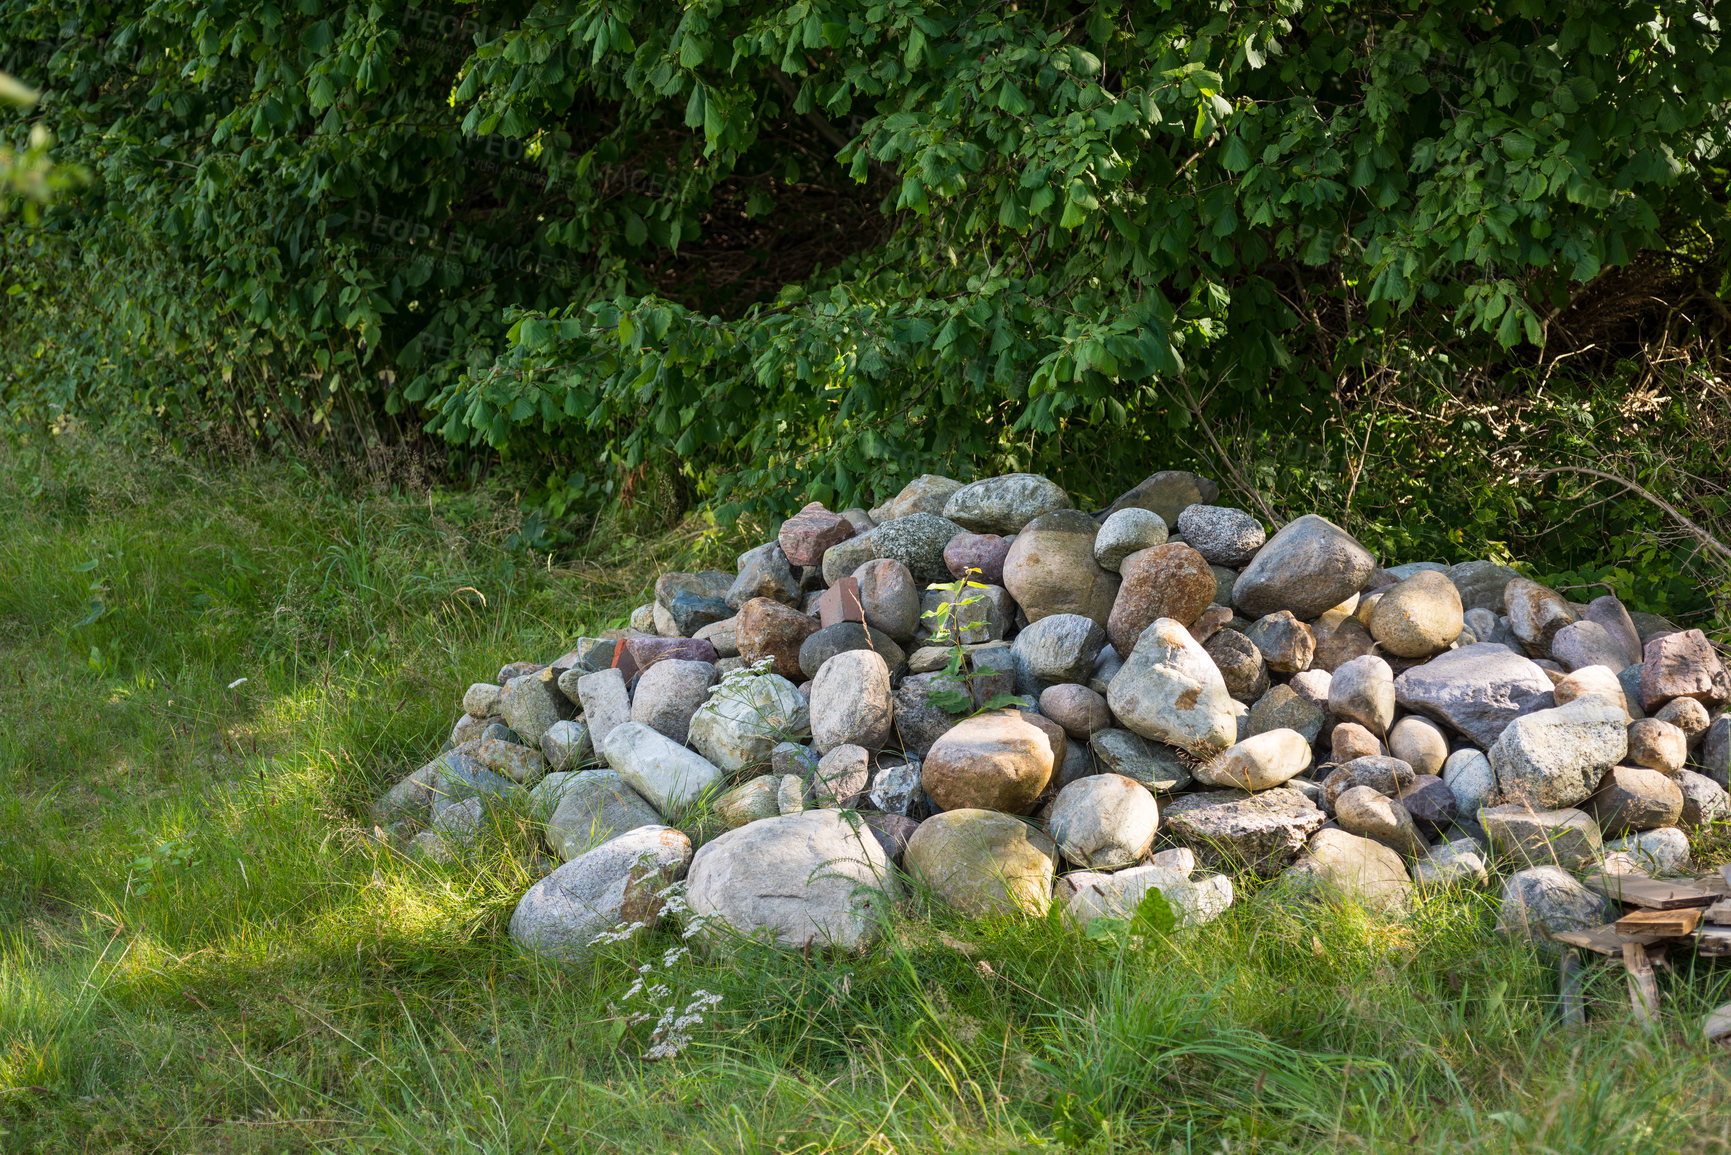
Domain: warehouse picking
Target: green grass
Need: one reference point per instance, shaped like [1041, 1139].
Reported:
[202, 949]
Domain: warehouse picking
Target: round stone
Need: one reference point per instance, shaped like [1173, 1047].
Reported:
[766, 628]
[1050, 569]
[1104, 821]
[918, 542]
[1125, 532]
[1240, 664]
[889, 597]
[1309, 567]
[982, 862]
[1166, 581]
[1004, 504]
[999, 761]
[1079, 710]
[981, 553]
[1658, 745]
[851, 703]
[1223, 535]
[1418, 617]
[1420, 743]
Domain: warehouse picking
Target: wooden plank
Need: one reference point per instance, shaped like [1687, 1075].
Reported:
[1719, 914]
[1649, 893]
[1717, 1026]
[1665, 923]
[1571, 1000]
[1714, 941]
[1643, 987]
[1602, 939]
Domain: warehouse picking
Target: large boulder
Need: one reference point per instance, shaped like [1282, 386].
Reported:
[1231, 829]
[1477, 689]
[1309, 566]
[1555, 758]
[1417, 617]
[818, 878]
[668, 776]
[1166, 581]
[851, 702]
[1050, 569]
[1565, 837]
[745, 716]
[998, 761]
[1544, 901]
[1104, 821]
[1004, 504]
[1358, 868]
[982, 862]
[617, 884]
[580, 811]
[1170, 690]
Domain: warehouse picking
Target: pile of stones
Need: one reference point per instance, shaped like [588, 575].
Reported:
[1160, 695]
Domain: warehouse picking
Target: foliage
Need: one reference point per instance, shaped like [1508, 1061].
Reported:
[286, 984]
[28, 177]
[516, 221]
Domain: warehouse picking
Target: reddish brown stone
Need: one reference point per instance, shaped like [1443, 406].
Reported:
[807, 534]
[980, 551]
[1165, 581]
[767, 629]
[635, 655]
[1682, 665]
[840, 603]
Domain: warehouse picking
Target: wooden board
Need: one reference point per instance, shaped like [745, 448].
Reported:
[1649, 893]
[1665, 923]
[1643, 987]
[1713, 940]
[1719, 914]
[1603, 939]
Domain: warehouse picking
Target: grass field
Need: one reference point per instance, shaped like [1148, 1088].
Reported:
[202, 949]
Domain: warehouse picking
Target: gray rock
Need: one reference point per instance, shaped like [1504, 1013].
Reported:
[790, 794]
[895, 789]
[1481, 584]
[1430, 802]
[814, 879]
[643, 619]
[843, 560]
[667, 775]
[1555, 758]
[1282, 708]
[1058, 648]
[1287, 644]
[1232, 829]
[1260, 762]
[669, 693]
[1223, 535]
[1050, 569]
[765, 572]
[580, 811]
[1587, 643]
[851, 702]
[619, 883]
[1170, 690]
[975, 614]
[1376, 816]
[745, 717]
[694, 600]
[1536, 613]
[842, 777]
[1309, 566]
[1715, 753]
[516, 762]
[845, 637]
[1088, 894]
[1544, 901]
[723, 635]
[1487, 626]
[531, 703]
[1406, 569]
[1125, 532]
[1224, 580]
[1240, 664]
[464, 824]
[1312, 686]
[889, 597]
[1104, 821]
[1385, 775]
[1004, 504]
[892, 832]
[1610, 613]
[1357, 868]
[1704, 800]
[481, 700]
[917, 541]
[750, 801]
[1657, 852]
[606, 705]
[1565, 837]
[1167, 493]
[566, 745]
[1155, 765]
[918, 721]
[1477, 690]
[982, 862]
[1456, 863]
[926, 493]
[1362, 691]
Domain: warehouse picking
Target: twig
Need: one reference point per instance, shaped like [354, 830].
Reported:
[1701, 535]
[1226, 462]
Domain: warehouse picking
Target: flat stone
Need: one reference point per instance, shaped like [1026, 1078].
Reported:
[1544, 901]
[1417, 617]
[1632, 798]
[765, 572]
[1564, 837]
[1555, 758]
[1476, 690]
[1170, 690]
[745, 717]
[1223, 535]
[1681, 665]
[809, 880]
[1229, 828]
[1155, 765]
[1360, 869]
[1168, 581]
[617, 883]
[1004, 504]
[1309, 566]
[998, 761]
[1259, 762]
[1362, 691]
[1104, 821]
[1129, 530]
[982, 862]
[808, 534]
[766, 628]
[917, 541]
[1167, 493]
[851, 702]
[1050, 569]
[977, 557]
[1420, 743]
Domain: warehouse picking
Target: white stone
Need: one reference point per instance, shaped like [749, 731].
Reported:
[617, 884]
[744, 718]
[1170, 690]
[667, 775]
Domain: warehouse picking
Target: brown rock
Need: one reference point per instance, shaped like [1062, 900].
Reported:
[1349, 740]
[840, 603]
[1287, 644]
[984, 552]
[1536, 613]
[807, 534]
[1689, 716]
[1340, 638]
[1240, 663]
[1167, 581]
[768, 629]
[996, 761]
[1658, 745]
[1050, 569]
[1079, 710]
[1631, 798]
